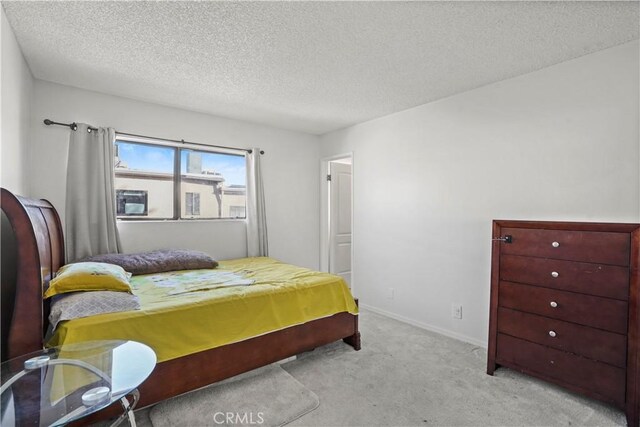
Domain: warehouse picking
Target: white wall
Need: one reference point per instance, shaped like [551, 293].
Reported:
[290, 167]
[16, 86]
[15, 92]
[557, 144]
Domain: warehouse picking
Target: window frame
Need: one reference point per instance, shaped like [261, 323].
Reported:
[177, 175]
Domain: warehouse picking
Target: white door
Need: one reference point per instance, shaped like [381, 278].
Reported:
[340, 220]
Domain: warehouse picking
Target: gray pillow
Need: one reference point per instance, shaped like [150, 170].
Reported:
[83, 304]
[158, 261]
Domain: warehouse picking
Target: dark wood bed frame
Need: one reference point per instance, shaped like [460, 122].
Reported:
[40, 248]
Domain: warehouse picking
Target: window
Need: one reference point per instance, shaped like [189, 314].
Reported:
[149, 169]
[237, 211]
[131, 202]
[192, 204]
[218, 178]
[177, 182]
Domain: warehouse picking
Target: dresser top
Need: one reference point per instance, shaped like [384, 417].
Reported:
[567, 225]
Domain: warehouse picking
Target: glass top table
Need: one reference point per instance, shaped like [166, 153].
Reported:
[58, 385]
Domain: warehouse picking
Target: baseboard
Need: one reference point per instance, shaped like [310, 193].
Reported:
[441, 331]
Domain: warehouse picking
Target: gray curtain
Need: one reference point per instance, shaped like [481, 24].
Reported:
[257, 242]
[90, 217]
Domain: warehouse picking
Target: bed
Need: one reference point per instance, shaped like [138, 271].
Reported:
[40, 247]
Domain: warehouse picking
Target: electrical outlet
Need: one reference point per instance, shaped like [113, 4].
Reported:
[456, 311]
[390, 293]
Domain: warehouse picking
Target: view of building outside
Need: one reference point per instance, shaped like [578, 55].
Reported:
[212, 185]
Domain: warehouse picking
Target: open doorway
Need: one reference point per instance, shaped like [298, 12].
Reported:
[337, 216]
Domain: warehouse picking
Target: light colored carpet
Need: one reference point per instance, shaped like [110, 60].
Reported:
[268, 396]
[408, 376]
[411, 377]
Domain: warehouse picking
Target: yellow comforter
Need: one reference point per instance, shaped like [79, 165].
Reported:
[190, 311]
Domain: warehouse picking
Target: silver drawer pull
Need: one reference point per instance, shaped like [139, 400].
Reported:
[555, 244]
[553, 304]
[554, 274]
[552, 334]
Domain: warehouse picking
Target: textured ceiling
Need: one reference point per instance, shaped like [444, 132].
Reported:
[309, 66]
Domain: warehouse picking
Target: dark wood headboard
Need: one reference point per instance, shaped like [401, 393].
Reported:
[40, 250]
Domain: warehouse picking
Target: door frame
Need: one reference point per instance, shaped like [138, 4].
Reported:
[324, 211]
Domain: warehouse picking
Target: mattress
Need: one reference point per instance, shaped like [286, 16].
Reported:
[184, 312]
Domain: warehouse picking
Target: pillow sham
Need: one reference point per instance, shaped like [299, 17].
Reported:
[89, 276]
[83, 304]
[158, 261]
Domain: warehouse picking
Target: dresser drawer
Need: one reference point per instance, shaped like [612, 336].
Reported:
[600, 379]
[589, 342]
[594, 279]
[587, 246]
[598, 312]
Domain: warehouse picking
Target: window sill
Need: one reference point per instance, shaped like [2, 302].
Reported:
[145, 221]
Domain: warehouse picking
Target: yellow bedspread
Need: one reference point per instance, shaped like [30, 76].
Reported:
[185, 312]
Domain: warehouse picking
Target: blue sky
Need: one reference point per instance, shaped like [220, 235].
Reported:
[160, 159]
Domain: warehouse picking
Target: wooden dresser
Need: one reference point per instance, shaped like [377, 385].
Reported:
[565, 307]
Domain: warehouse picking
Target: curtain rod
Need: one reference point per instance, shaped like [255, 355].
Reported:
[74, 126]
